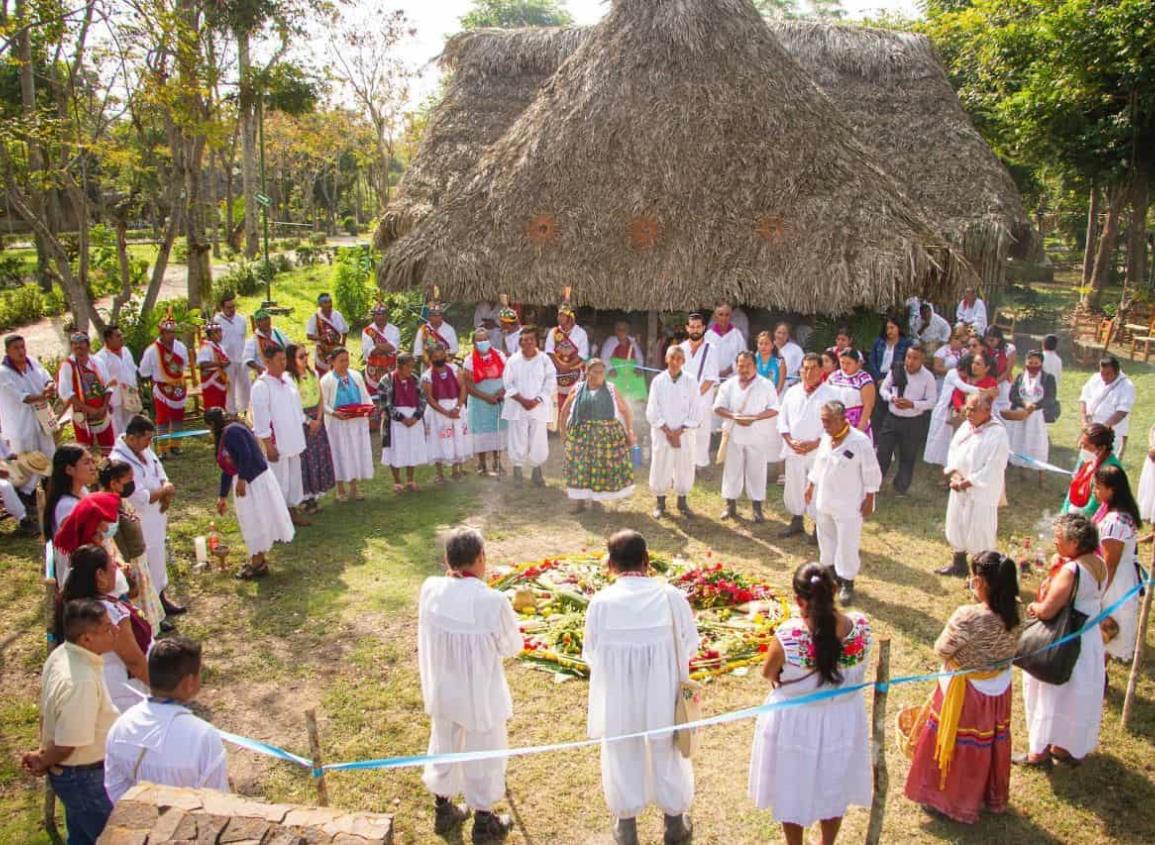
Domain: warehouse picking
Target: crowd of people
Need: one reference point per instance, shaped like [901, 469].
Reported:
[289, 430]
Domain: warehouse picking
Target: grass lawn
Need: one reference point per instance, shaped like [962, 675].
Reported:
[334, 627]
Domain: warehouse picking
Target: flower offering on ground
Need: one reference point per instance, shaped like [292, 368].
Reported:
[736, 617]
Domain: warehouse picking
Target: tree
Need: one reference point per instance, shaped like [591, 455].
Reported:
[777, 8]
[510, 14]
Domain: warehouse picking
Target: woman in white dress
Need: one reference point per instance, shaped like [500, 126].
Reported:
[1147, 480]
[1118, 522]
[946, 356]
[810, 763]
[1063, 719]
[940, 432]
[403, 440]
[446, 428]
[347, 405]
[1032, 401]
[1005, 356]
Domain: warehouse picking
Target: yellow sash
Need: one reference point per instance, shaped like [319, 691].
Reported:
[949, 715]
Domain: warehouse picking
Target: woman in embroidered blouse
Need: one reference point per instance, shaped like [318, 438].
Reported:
[597, 428]
[856, 389]
[809, 764]
[962, 749]
[347, 405]
[317, 474]
[447, 429]
[1097, 444]
[1118, 522]
[769, 361]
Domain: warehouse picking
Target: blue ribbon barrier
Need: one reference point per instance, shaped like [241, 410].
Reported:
[177, 435]
[1027, 459]
[415, 760]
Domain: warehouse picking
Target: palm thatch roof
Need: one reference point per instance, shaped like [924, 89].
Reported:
[678, 152]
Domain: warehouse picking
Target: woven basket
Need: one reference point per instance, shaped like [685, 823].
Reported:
[908, 725]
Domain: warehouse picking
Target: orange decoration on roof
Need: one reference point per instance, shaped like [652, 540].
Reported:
[644, 232]
[543, 229]
[771, 228]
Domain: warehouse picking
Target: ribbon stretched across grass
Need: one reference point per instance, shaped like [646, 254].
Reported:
[1037, 464]
[415, 760]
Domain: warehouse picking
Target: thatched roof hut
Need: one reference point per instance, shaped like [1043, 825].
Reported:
[678, 152]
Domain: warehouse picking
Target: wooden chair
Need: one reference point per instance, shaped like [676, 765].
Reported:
[1142, 335]
[1092, 335]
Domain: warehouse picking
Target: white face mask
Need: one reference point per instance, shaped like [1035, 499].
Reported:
[111, 530]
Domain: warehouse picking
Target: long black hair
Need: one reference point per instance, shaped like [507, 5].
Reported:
[84, 563]
[66, 457]
[1114, 478]
[1001, 576]
[815, 584]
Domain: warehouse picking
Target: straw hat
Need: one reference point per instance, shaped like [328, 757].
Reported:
[34, 463]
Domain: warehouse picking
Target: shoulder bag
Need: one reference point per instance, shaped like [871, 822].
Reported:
[688, 704]
[1038, 656]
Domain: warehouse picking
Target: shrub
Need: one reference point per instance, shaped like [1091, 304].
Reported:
[180, 252]
[352, 290]
[11, 271]
[349, 224]
[318, 238]
[141, 329]
[306, 255]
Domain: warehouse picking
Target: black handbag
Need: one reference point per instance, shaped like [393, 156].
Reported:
[1034, 654]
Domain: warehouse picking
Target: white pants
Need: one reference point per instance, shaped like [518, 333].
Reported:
[240, 383]
[481, 782]
[838, 538]
[11, 501]
[670, 467]
[528, 442]
[971, 527]
[701, 435]
[287, 471]
[637, 773]
[120, 418]
[745, 467]
[794, 495]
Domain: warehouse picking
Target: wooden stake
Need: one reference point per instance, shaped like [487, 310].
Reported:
[1140, 645]
[878, 745]
[315, 750]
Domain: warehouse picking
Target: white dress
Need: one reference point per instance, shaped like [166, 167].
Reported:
[813, 761]
[940, 432]
[1146, 495]
[446, 439]
[1119, 526]
[123, 689]
[1068, 715]
[349, 441]
[262, 514]
[1029, 437]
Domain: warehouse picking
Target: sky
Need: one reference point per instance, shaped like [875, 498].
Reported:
[435, 19]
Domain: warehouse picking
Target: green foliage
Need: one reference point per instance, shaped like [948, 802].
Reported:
[27, 304]
[353, 286]
[306, 255]
[349, 224]
[318, 238]
[104, 278]
[290, 89]
[864, 324]
[141, 329]
[510, 14]
[11, 270]
[243, 278]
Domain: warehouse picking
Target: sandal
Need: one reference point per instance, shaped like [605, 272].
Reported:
[1066, 759]
[248, 572]
[412, 487]
[398, 487]
[1023, 759]
[358, 496]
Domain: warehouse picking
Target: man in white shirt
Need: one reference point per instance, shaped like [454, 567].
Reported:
[529, 379]
[328, 329]
[510, 331]
[639, 638]
[976, 466]
[568, 345]
[279, 424]
[702, 362]
[380, 343]
[121, 368]
[166, 362]
[464, 632]
[234, 329]
[1108, 398]
[159, 740]
[800, 424]
[843, 481]
[932, 329]
[972, 312]
[485, 315]
[673, 412]
[434, 332]
[622, 345]
[86, 389]
[790, 351]
[727, 340]
[747, 403]
[264, 338]
[910, 393]
[25, 387]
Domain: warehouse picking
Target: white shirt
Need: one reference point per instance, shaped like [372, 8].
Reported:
[121, 368]
[577, 336]
[611, 345]
[921, 389]
[972, 315]
[742, 322]
[673, 404]
[937, 331]
[758, 396]
[486, 311]
[336, 318]
[150, 362]
[980, 457]
[1101, 400]
[171, 745]
[447, 334]
[252, 350]
[64, 377]
[511, 342]
[233, 333]
[629, 645]
[800, 414]
[843, 475]
[703, 366]
[792, 354]
[464, 629]
[949, 357]
[1053, 364]
[391, 333]
[727, 346]
[18, 421]
[149, 476]
[276, 409]
[529, 378]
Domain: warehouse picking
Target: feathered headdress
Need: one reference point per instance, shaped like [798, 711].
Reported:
[566, 307]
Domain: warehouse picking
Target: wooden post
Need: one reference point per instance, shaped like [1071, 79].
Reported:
[315, 751]
[1140, 644]
[878, 745]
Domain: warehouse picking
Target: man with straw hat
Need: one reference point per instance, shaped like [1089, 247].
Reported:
[86, 389]
[434, 332]
[214, 365]
[121, 367]
[234, 332]
[568, 346]
[166, 362]
[26, 394]
[328, 329]
[12, 476]
[264, 338]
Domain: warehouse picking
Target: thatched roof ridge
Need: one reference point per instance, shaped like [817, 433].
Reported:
[504, 52]
[678, 152]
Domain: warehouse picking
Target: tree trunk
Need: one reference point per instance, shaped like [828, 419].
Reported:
[214, 207]
[1105, 254]
[173, 226]
[246, 117]
[193, 140]
[124, 266]
[1137, 228]
[35, 154]
[1092, 235]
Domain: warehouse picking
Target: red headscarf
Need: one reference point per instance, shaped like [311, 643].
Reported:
[80, 526]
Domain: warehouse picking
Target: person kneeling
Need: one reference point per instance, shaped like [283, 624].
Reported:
[464, 629]
[158, 739]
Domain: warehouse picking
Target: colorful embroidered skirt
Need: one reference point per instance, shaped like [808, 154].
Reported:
[597, 461]
[317, 474]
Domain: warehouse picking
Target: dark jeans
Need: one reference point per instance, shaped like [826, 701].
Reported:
[86, 804]
[907, 436]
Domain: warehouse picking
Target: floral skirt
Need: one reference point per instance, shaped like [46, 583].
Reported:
[597, 461]
[317, 474]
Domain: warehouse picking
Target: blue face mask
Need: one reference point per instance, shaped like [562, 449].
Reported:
[483, 346]
[110, 531]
